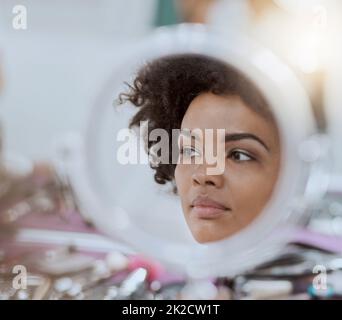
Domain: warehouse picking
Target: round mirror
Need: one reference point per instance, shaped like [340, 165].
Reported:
[197, 152]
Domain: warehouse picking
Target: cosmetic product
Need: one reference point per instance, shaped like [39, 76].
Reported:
[134, 285]
[266, 289]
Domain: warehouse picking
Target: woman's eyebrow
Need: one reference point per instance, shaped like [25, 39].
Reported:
[240, 136]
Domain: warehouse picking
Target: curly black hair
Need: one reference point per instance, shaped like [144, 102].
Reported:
[164, 88]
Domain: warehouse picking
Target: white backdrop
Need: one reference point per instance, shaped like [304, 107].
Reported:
[53, 70]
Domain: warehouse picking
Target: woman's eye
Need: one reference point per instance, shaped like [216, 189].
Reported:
[189, 152]
[240, 156]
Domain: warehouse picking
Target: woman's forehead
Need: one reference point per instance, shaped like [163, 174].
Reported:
[228, 113]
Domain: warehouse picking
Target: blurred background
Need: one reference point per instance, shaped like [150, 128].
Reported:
[57, 65]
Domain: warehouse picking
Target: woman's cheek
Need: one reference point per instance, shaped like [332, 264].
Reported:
[177, 177]
[182, 177]
[245, 181]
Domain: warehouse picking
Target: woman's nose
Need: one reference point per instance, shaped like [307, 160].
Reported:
[201, 178]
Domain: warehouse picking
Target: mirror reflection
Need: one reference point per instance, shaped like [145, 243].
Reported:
[225, 123]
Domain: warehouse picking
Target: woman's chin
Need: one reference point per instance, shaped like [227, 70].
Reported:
[206, 231]
[205, 238]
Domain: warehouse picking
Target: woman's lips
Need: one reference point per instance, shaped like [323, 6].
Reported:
[206, 208]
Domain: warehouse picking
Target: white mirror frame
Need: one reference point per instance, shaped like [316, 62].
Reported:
[294, 192]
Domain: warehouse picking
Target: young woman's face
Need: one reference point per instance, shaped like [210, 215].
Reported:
[218, 205]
